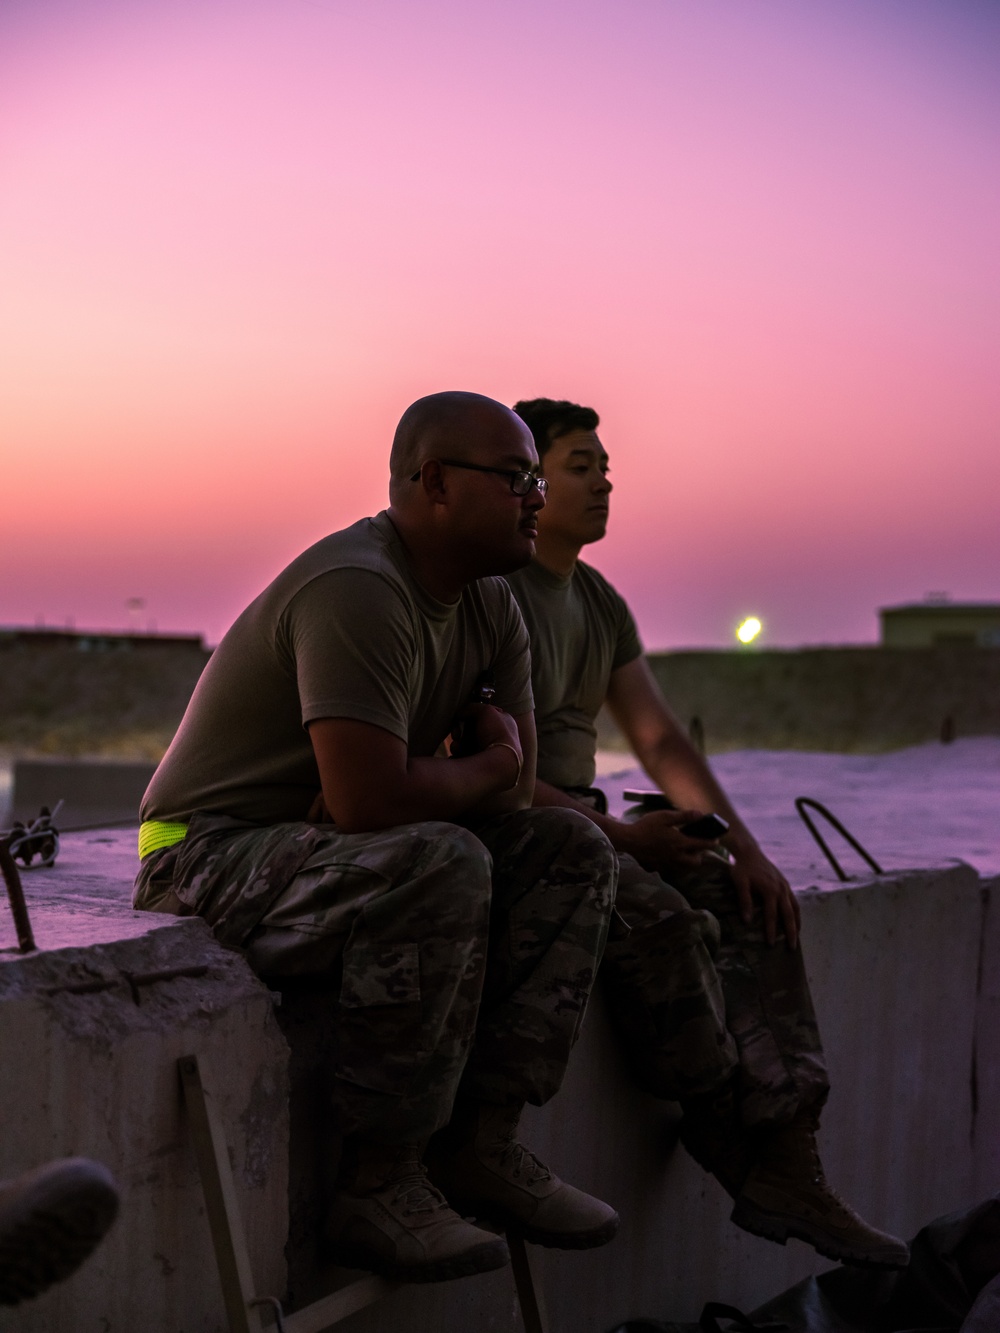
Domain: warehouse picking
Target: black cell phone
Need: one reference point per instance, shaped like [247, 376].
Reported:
[708, 827]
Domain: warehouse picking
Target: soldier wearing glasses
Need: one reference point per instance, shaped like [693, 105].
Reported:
[347, 676]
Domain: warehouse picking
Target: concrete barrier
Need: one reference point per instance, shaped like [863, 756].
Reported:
[906, 974]
[94, 1072]
[985, 1071]
[94, 792]
[116, 695]
[851, 698]
[125, 695]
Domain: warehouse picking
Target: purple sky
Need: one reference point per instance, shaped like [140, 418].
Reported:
[236, 239]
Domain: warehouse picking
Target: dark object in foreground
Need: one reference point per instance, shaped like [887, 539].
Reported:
[951, 1285]
[714, 1312]
[51, 1219]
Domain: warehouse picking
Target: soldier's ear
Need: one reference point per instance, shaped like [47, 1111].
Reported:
[433, 481]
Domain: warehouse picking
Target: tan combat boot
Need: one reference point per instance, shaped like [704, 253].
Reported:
[786, 1194]
[388, 1217]
[487, 1173]
[50, 1220]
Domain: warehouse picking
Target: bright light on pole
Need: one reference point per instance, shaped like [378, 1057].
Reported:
[749, 629]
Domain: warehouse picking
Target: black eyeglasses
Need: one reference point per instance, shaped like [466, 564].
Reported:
[521, 483]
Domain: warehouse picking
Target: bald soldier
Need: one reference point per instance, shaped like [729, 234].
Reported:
[460, 928]
[706, 982]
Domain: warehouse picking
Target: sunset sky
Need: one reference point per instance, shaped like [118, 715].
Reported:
[237, 237]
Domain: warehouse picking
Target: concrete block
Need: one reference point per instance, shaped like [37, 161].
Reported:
[94, 1072]
[986, 1066]
[905, 970]
[894, 967]
[94, 791]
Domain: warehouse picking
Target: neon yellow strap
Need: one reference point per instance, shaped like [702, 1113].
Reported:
[155, 833]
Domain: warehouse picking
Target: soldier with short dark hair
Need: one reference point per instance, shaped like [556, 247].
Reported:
[706, 985]
[462, 927]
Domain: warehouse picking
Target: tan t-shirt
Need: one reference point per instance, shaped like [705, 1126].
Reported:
[581, 630]
[344, 631]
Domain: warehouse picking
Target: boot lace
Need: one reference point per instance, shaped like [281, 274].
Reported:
[518, 1160]
[818, 1175]
[412, 1189]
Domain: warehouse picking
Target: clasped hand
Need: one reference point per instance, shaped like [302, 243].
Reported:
[480, 725]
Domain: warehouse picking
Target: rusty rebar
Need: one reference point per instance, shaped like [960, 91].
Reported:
[801, 802]
[15, 892]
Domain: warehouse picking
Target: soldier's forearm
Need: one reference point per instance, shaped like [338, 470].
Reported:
[545, 794]
[684, 776]
[430, 788]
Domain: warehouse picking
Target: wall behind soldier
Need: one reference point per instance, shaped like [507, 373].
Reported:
[126, 703]
[115, 697]
[846, 699]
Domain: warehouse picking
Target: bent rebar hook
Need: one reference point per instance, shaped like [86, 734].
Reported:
[800, 804]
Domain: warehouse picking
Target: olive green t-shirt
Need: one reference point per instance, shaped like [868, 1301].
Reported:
[345, 631]
[581, 630]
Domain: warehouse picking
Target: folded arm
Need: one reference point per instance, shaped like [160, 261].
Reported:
[370, 781]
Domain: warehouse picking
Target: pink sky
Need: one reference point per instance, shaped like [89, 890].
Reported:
[236, 239]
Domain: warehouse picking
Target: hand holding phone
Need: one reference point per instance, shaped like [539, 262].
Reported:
[709, 828]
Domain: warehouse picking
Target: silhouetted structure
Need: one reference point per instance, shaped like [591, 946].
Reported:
[940, 621]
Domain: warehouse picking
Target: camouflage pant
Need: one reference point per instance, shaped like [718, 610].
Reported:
[454, 956]
[697, 996]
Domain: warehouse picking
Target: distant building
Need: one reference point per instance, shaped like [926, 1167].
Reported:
[940, 621]
[94, 641]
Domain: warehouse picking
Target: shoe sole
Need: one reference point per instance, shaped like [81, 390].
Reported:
[61, 1220]
[567, 1240]
[770, 1226]
[489, 1214]
[483, 1258]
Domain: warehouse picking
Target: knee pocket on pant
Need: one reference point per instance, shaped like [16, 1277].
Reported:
[675, 936]
[577, 835]
[379, 1029]
[702, 925]
[460, 852]
[402, 999]
[380, 974]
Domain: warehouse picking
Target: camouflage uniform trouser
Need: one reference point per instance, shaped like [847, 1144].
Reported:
[698, 997]
[454, 957]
